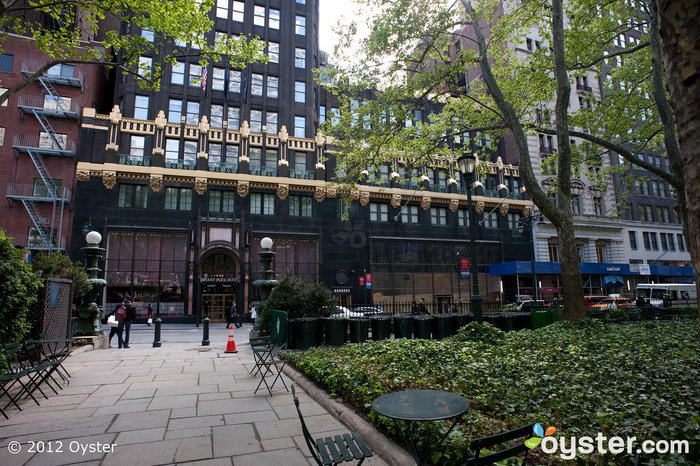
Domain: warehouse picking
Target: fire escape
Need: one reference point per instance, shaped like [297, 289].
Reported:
[49, 231]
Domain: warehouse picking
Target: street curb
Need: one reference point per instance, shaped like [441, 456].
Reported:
[383, 447]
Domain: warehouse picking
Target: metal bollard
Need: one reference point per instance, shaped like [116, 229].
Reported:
[156, 335]
[205, 332]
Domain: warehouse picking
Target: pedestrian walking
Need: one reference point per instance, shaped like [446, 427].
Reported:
[120, 315]
[233, 316]
[129, 318]
[114, 324]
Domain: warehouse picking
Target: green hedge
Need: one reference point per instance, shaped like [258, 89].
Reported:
[583, 377]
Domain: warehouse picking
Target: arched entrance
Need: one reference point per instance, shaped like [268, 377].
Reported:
[219, 274]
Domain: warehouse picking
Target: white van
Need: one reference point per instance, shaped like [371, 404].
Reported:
[679, 293]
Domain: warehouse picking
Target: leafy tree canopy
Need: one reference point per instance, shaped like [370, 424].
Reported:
[58, 265]
[79, 32]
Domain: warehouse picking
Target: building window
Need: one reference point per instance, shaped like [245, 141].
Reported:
[438, 216]
[221, 201]
[463, 218]
[190, 153]
[600, 252]
[238, 13]
[178, 199]
[6, 62]
[255, 157]
[273, 85]
[256, 87]
[216, 116]
[222, 9]
[218, 79]
[256, 120]
[322, 114]
[234, 81]
[553, 252]
[299, 127]
[300, 57]
[681, 242]
[145, 64]
[262, 204]
[671, 242]
[378, 212]
[195, 75]
[234, 118]
[141, 107]
[598, 205]
[409, 214]
[300, 25]
[2, 136]
[576, 205]
[490, 220]
[136, 147]
[300, 206]
[273, 52]
[192, 113]
[132, 195]
[664, 242]
[654, 241]
[633, 240]
[299, 91]
[274, 19]
[172, 150]
[174, 111]
[2, 91]
[259, 16]
[232, 154]
[177, 73]
[647, 240]
[271, 122]
[214, 153]
[513, 220]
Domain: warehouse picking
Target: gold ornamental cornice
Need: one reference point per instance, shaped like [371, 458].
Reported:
[177, 175]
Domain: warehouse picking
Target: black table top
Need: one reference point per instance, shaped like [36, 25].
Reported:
[420, 405]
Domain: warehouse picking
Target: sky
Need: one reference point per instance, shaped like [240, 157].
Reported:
[330, 12]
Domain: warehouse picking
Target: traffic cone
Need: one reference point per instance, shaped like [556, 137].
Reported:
[231, 345]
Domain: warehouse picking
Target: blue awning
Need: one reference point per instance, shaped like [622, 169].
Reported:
[612, 280]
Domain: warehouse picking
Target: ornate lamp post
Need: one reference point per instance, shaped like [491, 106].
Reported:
[467, 166]
[528, 223]
[267, 282]
[90, 313]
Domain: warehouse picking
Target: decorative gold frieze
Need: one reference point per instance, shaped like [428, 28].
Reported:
[109, 179]
[364, 198]
[83, 175]
[454, 205]
[504, 208]
[243, 188]
[480, 207]
[331, 191]
[200, 185]
[320, 193]
[156, 182]
[282, 191]
[425, 202]
[395, 200]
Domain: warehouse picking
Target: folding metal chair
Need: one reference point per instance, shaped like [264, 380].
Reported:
[271, 368]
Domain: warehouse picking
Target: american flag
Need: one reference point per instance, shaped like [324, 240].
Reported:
[204, 79]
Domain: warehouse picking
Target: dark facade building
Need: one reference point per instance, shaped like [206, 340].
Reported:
[184, 183]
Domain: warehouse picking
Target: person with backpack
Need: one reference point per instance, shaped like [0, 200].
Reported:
[113, 323]
[120, 315]
[130, 316]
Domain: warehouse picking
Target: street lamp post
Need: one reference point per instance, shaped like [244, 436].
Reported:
[528, 223]
[467, 166]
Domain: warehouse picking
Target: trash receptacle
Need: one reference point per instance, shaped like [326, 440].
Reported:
[335, 330]
[540, 317]
[459, 320]
[556, 313]
[291, 333]
[403, 326]
[307, 332]
[359, 328]
[442, 326]
[422, 327]
[381, 327]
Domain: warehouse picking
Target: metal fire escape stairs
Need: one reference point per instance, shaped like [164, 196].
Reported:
[54, 194]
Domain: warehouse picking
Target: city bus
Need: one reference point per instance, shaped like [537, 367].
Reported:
[679, 293]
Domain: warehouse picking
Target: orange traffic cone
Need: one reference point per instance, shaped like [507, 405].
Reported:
[231, 345]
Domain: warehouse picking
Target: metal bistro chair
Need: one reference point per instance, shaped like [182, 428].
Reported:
[333, 450]
[487, 442]
[268, 346]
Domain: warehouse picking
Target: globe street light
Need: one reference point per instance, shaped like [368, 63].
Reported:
[467, 167]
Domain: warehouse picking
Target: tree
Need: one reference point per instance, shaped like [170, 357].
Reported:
[90, 33]
[59, 265]
[18, 293]
[680, 33]
[417, 51]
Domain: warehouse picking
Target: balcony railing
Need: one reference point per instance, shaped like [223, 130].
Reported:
[138, 160]
[438, 188]
[61, 74]
[35, 242]
[182, 164]
[302, 174]
[58, 107]
[24, 143]
[263, 171]
[37, 193]
[583, 87]
[547, 150]
[223, 167]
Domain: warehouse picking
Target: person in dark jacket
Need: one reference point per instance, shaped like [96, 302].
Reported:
[233, 316]
[114, 329]
[130, 317]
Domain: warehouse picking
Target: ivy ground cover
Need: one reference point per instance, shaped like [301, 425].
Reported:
[584, 378]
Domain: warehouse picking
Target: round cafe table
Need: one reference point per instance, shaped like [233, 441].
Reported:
[421, 405]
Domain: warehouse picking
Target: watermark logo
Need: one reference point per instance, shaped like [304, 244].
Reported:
[540, 433]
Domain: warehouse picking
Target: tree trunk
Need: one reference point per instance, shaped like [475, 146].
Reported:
[680, 35]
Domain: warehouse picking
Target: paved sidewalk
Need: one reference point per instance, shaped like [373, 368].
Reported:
[178, 404]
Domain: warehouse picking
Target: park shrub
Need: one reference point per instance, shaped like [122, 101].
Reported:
[583, 377]
[18, 292]
[58, 265]
[298, 298]
[483, 332]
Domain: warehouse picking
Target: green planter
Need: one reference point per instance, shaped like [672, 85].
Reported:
[359, 328]
[308, 332]
[540, 317]
[291, 333]
[459, 320]
[403, 326]
[555, 313]
[335, 330]
[422, 327]
[442, 326]
[381, 327]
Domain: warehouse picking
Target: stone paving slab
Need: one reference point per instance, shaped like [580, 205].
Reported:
[178, 404]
